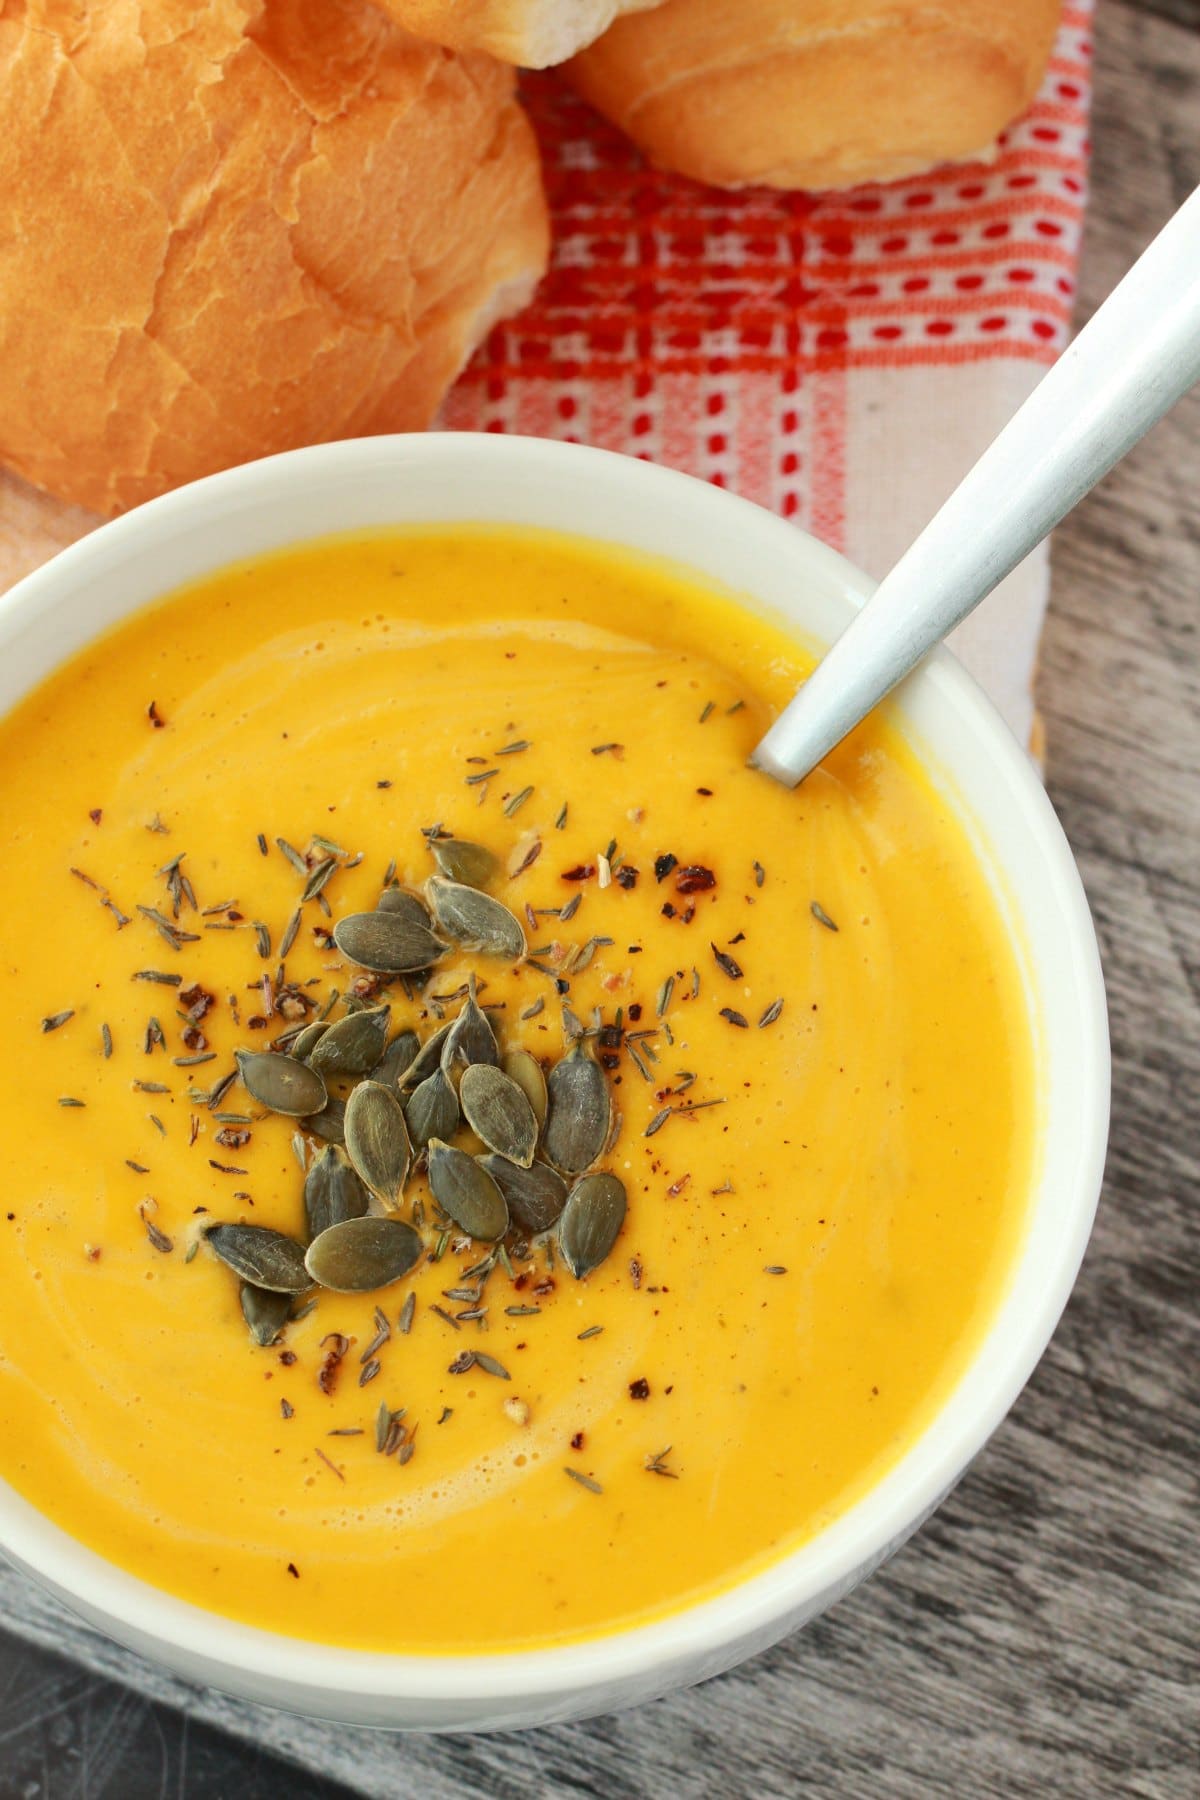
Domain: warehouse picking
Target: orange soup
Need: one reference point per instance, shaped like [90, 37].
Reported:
[765, 1219]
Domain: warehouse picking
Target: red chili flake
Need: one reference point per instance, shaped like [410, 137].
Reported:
[663, 866]
[577, 1441]
[363, 987]
[635, 1012]
[293, 1570]
[194, 1038]
[581, 872]
[545, 1286]
[668, 910]
[707, 792]
[639, 1389]
[287, 1358]
[608, 1059]
[694, 879]
[626, 877]
[155, 717]
[635, 1272]
[197, 1001]
[328, 1372]
[256, 1023]
[95, 814]
[232, 1137]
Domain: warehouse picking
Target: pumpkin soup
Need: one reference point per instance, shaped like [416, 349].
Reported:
[494, 1168]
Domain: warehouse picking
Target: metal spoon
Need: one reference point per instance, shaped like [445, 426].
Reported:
[1137, 356]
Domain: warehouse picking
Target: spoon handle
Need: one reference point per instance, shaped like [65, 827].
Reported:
[1135, 358]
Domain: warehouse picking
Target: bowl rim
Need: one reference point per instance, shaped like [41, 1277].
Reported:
[757, 1605]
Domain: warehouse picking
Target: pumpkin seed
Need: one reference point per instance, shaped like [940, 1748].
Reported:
[428, 1057]
[332, 1193]
[304, 1042]
[377, 1140]
[354, 1044]
[329, 1124]
[471, 1038]
[524, 1068]
[467, 1193]
[266, 1313]
[361, 1254]
[497, 1111]
[535, 1196]
[261, 1256]
[475, 920]
[388, 943]
[471, 865]
[580, 1112]
[432, 1110]
[396, 1059]
[281, 1083]
[405, 905]
[590, 1223]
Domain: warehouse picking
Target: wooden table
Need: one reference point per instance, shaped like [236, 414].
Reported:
[1039, 1637]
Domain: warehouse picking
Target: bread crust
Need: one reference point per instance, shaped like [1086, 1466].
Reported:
[533, 33]
[229, 227]
[818, 93]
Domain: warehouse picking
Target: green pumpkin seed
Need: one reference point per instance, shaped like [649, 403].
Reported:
[467, 1193]
[332, 1193]
[432, 1110]
[580, 1112]
[266, 1313]
[524, 1068]
[396, 1059]
[263, 1257]
[377, 1140]
[405, 905]
[471, 865]
[428, 1057]
[303, 1044]
[329, 1124]
[354, 1044]
[498, 1112]
[281, 1083]
[591, 1222]
[388, 943]
[471, 1038]
[361, 1254]
[475, 920]
[535, 1196]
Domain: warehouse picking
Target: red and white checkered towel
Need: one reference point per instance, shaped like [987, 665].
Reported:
[842, 358]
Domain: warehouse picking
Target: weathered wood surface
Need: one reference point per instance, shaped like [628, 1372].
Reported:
[1039, 1638]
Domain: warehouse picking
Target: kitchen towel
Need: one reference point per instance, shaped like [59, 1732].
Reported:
[840, 358]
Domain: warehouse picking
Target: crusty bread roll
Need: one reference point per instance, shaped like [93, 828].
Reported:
[534, 33]
[818, 93]
[228, 227]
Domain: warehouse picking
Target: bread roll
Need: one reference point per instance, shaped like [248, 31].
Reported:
[534, 33]
[228, 227]
[818, 93]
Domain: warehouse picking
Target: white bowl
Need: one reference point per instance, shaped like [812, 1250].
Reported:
[421, 479]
